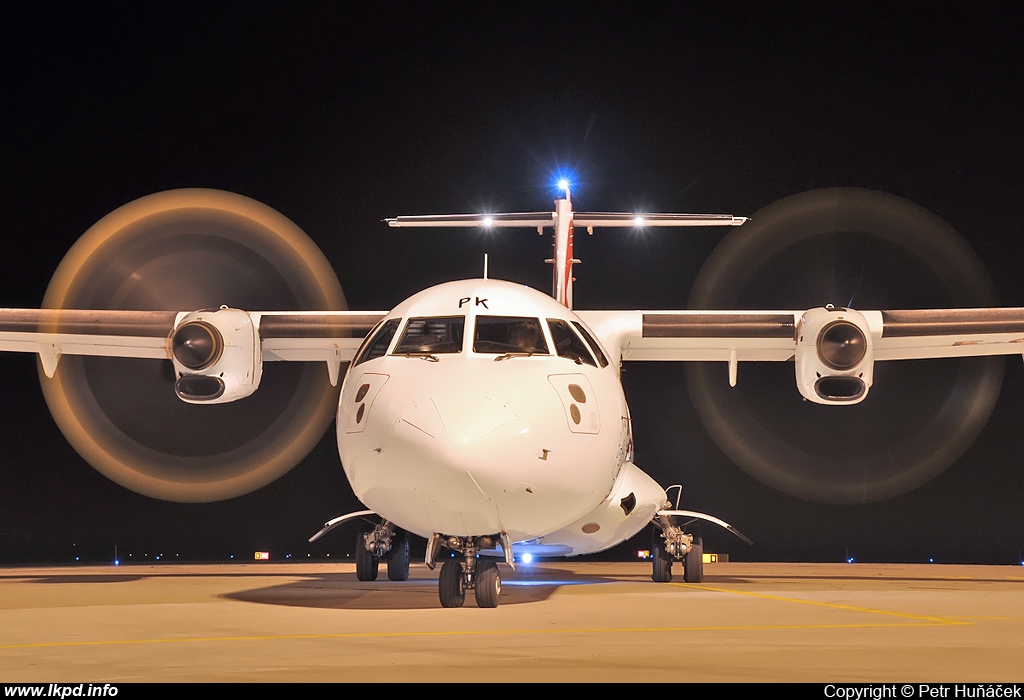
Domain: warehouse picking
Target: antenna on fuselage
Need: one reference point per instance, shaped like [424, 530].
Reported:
[563, 220]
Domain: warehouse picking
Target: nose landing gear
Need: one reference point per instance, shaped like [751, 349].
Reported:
[464, 571]
[459, 575]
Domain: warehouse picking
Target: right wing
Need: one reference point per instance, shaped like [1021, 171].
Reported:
[218, 354]
[54, 332]
[296, 336]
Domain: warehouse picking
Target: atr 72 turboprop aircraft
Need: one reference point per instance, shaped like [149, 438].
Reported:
[481, 415]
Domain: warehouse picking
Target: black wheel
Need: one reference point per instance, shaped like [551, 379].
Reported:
[451, 588]
[661, 559]
[488, 584]
[693, 571]
[366, 563]
[398, 558]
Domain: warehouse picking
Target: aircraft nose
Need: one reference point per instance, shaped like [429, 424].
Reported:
[460, 445]
[463, 456]
[465, 440]
[457, 422]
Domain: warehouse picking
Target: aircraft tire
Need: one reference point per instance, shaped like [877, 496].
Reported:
[661, 559]
[693, 566]
[451, 588]
[366, 564]
[488, 584]
[398, 558]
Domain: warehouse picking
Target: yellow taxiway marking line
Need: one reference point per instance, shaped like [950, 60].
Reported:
[835, 606]
[470, 633]
[995, 618]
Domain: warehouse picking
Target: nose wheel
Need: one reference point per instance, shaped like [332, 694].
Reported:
[488, 584]
[451, 584]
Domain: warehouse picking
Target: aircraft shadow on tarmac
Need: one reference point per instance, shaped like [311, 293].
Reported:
[342, 590]
[64, 579]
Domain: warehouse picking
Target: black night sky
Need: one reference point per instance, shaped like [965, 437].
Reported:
[339, 117]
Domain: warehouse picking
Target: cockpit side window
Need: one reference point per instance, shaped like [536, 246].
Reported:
[509, 334]
[601, 359]
[432, 336]
[568, 344]
[377, 342]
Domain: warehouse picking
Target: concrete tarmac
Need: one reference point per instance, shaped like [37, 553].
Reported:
[559, 621]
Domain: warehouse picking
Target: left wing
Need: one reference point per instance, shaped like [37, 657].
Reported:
[833, 349]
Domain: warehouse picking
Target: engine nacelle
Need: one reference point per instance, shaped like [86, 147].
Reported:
[217, 356]
[834, 356]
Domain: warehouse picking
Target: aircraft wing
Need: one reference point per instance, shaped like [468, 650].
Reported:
[834, 349]
[304, 336]
[331, 336]
[772, 335]
[696, 335]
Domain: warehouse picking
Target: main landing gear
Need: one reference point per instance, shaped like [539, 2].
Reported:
[382, 542]
[463, 571]
[671, 544]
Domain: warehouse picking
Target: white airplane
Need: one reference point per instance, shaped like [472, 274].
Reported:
[481, 415]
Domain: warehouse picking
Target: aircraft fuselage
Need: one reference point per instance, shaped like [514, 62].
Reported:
[445, 427]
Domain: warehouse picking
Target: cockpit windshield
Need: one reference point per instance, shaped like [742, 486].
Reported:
[432, 336]
[377, 342]
[568, 344]
[509, 334]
